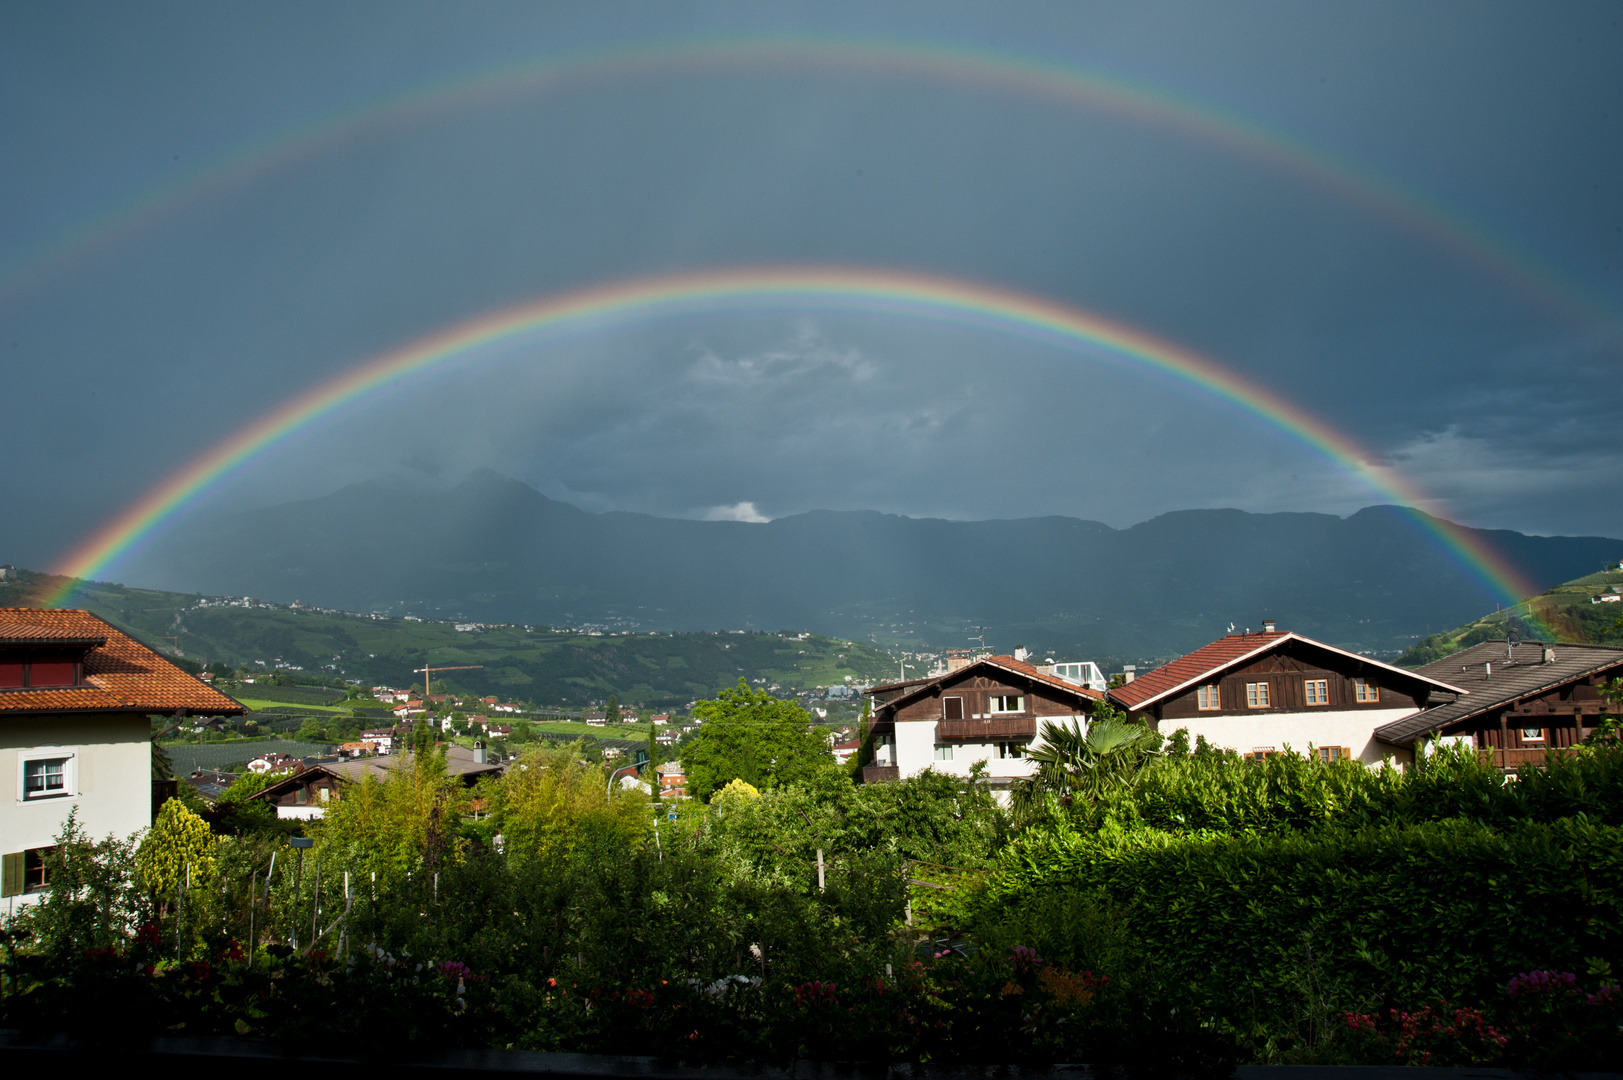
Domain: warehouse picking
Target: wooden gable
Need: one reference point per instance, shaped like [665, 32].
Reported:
[1287, 671]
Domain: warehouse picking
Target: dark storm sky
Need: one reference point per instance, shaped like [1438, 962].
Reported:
[135, 341]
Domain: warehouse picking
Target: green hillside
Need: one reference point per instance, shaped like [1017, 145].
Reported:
[546, 666]
[1564, 613]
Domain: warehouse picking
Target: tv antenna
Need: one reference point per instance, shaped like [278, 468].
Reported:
[1512, 639]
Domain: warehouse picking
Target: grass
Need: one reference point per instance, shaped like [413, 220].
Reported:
[264, 703]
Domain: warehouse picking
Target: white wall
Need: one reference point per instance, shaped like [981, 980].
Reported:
[113, 782]
[1298, 730]
[916, 742]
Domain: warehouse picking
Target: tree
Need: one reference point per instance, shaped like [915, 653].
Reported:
[550, 799]
[747, 734]
[1076, 763]
[611, 711]
[178, 840]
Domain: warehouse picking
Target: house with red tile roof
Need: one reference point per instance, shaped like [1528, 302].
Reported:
[1276, 691]
[76, 694]
[988, 711]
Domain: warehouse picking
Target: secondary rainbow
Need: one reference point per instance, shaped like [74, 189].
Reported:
[904, 293]
[1072, 85]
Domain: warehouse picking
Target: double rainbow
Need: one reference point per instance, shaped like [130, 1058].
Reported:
[1070, 85]
[894, 292]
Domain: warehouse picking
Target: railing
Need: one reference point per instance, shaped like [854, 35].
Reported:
[999, 727]
[1526, 755]
[879, 774]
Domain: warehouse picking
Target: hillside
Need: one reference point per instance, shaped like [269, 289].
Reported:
[1564, 613]
[494, 550]
[545, 666]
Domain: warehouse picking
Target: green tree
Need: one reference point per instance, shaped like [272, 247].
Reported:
[550, 800]
[747, 734]
[1073, 763]
[393, 826]
[611, 711]
[178, 840]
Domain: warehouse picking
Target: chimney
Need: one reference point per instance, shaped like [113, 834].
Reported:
[1127, 673]
[1267, 626]
[1020, 653]
[1549, 655]
[479, 755]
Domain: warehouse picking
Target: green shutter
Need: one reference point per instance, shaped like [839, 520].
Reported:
[13, 875]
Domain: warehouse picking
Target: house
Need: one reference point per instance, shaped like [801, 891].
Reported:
[210, 784]
[1261, 693]
[1521, 700]
[381, 738]
[660, 719]
[668, 737]
[76, 694]
[305, 793]
[673, 782]
[986, 711]
[845, 751]
[272, 762]
[497, 731]
[595, 719]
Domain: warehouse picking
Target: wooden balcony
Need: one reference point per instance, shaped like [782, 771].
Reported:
[995, 729]
[1510, 759]
[880, 774]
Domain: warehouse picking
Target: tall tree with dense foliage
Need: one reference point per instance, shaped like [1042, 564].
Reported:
[550, 799]
[393, 826]
[752, 736]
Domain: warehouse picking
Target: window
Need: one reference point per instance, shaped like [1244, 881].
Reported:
[952, 708]
[25, 872]
[1010, 750]
[45, 774]
[1366, 690]
[1317, 692]
[1256, 695]
[1335, 753]
[51, 674]
[1208, 697]
[1262, 753]
[1008, 704]
[1532, 734]
[943, 752]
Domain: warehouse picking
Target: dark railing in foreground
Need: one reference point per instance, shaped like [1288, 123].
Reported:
[243, 1059]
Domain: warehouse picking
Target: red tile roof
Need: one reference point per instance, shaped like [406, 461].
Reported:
[123, 674]
[1214, 657]
[19, 632]
[1007, 663]
[1224, 653]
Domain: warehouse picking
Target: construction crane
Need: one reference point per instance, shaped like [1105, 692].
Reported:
[428, 673]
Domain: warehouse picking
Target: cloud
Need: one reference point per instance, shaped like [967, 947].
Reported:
[743, 511]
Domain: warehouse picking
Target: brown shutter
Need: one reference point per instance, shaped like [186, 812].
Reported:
[13, 875]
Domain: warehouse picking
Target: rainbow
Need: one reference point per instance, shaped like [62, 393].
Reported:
[1073, 86]
[886, 291]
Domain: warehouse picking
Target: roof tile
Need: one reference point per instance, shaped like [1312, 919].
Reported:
[123, 674]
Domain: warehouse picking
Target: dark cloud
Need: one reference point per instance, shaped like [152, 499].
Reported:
[132, 358]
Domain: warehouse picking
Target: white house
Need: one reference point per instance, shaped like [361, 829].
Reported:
[987, 711]
[1264, 693]
[75, 696]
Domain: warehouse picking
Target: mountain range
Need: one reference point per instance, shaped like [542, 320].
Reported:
[493, 549]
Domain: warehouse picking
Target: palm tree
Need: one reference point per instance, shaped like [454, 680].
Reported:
[1074, 762]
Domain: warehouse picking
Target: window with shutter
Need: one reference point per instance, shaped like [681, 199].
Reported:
[952, 708]
[11, 871]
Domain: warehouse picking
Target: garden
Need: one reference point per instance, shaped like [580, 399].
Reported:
[1171, 909]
